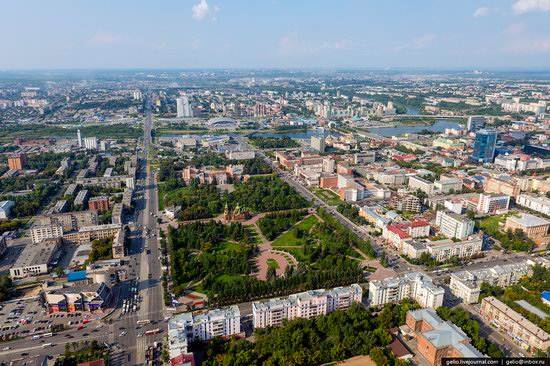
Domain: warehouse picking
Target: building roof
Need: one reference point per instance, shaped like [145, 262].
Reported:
[37, 254]
[445, 334]
[76, 276]
[545, 295]
[528, 220]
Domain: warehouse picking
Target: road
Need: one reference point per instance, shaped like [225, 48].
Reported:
[144, 267]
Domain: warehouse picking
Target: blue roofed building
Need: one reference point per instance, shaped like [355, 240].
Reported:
[545, 297]
[76, 276]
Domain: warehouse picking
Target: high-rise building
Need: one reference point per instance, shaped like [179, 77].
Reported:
[79, 138]
[453, 225]
[475, 123]
[17, 161]
[318, 143]
[90, 143]
[484, 146]
[184, 107]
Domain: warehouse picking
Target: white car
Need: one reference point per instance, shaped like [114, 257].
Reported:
[122, 334]
[6, 349]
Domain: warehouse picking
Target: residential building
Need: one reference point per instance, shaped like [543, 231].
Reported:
[407, 203]
[492, 203]
[205, 326]
[418, 183]
[520, 328]
[304, 305]
[447, 184]
[42, 232]
[70, 221]
[5, 209]
[414, 285]
[467, 284]
[499, 186]
[444, 249]
[71, 189]
[318, 143]
[484, 146]
[35, 258]
[117, 214]
[90, 143]
[396, 234]
[183, 107]
[82, 198]
[118, 244]
[453, 225]
[98, 204]
[90, 233]
[533, 226]
[448, 144]
[17, 161]
[240, 154]
[538, 204]
[438, 339]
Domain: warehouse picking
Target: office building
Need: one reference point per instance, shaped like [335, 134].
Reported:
[493, 203]
[5, 209]
[118, 244]
[418, 183]
[98, 204]
[42, 232]
[91, 233]
[183, 107]
[533, 226]
[475, 123]
[438, 339]
[88, 297]
[453, 225]
[414, 285]
[304, 305]
[17, 161]
[521, 329]
[35, 258]
[484, 146]
[90, 143]
[318, 143]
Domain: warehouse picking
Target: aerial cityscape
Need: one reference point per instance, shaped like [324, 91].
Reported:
[275, 183]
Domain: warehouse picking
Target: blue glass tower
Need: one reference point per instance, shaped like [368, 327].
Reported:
[484, 146]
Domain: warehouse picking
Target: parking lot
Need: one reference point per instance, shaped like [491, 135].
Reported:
[27, 318]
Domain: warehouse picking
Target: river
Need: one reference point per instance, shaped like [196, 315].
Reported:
[439, 126]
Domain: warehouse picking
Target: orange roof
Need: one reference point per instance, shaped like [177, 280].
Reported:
[399, 232]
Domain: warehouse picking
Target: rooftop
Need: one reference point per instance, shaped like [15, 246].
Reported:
[528, 220]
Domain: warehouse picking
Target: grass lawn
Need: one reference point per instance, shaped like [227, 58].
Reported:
[327, 195]
[161, 194]
[227, 246]
[289, 239]
[272, 263]
[227, 278]
[298, 253]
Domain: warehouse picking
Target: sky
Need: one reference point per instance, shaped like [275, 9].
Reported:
[104, 34]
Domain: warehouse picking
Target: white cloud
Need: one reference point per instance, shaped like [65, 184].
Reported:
[524, 6]
[515, 29]
[101, 37]
[202, 10]
[481, 12]
[529, 46]
[418, 43]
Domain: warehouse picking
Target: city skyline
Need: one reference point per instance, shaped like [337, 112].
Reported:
[277, 34]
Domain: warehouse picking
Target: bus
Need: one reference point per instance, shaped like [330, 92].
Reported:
[152, 332]
[143, 322]
[48, 335]
[47, 345]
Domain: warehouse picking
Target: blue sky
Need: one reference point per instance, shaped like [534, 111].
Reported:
[60, 34]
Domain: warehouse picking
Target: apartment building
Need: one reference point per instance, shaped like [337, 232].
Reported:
[447, 184]
[205, 326]
[438, 339]
[99, 204]
[444, 249]
[90, 233]
[304, 305]
[453, 225]
[523, 331]
[82, 198]
[35, 258]
[407, 203]
[467, 284]
[397, 234]
[415, 285]
[5, 209]
[118, 244]
[117, 214]
[42, 232]
[417, 183]
[70, 221]
[533, 226]
[499, 186]
[535, 203]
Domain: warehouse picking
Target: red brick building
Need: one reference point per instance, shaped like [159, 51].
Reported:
[99, 204]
